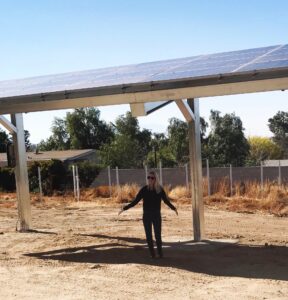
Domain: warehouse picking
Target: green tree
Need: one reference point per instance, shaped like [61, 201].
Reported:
[86, 130]
[278, 125]
[159, 140]
[53, 174]
[60, 135]
[48, 145]
[122, 152]
[179, 138]
[262, 148]
[159, 150]
[28, 145]
[4, 140]
[226, 141]
[80, 129]
[130, 146]
[127, 125]
[59, 140]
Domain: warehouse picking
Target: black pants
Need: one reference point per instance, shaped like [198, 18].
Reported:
[154, 219]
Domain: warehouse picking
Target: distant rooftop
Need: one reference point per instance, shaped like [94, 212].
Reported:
[275, 163]
[65, 155]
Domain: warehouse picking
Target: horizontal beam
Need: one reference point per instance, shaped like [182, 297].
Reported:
[8, 125]
[30, 104]
[186, 110]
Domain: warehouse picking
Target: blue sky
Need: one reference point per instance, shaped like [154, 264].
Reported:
[56, 36]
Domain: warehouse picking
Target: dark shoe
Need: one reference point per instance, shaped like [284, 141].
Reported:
[152, 252]
[160, 252]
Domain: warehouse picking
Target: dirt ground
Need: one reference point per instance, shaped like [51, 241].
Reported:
[85, 251]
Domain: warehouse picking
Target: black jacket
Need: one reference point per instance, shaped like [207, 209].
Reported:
[151, 200]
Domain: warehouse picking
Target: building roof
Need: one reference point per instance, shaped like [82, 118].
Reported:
[275, 163]
[65, 155]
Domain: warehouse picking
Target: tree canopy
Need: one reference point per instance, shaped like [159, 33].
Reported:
[4, 140]
[130, 145]
[262, 148]
[126, 145]
[226, 142]
[80, 129]
[278, 125]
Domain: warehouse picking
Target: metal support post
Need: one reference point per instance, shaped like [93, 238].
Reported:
[109, 180]
[74, 182]
[160, 171]
[77, 184]
[21, 174]
[187, 177]
[146, 174]
[208, 176]
[279, 174]
[40, 183]
[117, 181]
[231, 181]
[261, 174]
[196, 171]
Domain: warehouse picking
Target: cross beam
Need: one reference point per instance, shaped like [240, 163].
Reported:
[185, 109]
[8, 125]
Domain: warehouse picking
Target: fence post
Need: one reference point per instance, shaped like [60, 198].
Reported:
[261, 172]
[280, 175]
[231, 181]
[187, 178]
[146, 174]
[77, 185]
[160, 171]
[208, 176]
[117, 180]
[40, 183]
[109, 180]
[74, 181]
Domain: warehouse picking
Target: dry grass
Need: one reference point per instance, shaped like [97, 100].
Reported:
[248, 197]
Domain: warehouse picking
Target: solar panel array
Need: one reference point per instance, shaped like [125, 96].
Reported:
[274, 57]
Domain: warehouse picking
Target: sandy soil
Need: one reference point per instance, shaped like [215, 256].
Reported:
[85, 251]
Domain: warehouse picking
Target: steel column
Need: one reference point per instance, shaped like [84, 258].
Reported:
[196, 171]
[21, 174]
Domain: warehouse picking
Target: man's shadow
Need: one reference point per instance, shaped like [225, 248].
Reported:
[212, 258]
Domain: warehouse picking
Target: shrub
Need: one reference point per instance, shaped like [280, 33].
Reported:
[53, 175]
[7, 179]
[88, 171]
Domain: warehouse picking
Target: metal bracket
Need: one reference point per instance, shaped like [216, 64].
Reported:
[144, 109]
[137, 109]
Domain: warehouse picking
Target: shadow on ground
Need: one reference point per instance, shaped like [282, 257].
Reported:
[212, 258]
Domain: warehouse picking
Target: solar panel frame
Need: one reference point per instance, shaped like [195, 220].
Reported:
[236, 66]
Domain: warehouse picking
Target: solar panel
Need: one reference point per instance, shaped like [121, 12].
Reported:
[133, 78]
[197, 66]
